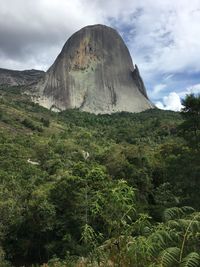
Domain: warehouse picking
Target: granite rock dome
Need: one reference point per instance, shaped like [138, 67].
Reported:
[94, 73]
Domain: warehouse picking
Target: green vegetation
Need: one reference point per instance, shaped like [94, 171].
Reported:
[78, 189]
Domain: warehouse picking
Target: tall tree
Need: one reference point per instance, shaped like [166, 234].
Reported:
[191, 125]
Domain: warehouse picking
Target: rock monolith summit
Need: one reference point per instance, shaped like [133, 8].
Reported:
[94, 73]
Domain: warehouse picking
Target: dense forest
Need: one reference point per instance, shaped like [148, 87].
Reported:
[78, 189]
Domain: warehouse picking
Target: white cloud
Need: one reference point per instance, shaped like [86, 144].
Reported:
[173, 100]
[170, 102]
[193, 89]
[158, 88]
[168, 77]
[166, 36]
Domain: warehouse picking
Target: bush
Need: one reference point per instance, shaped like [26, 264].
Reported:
[31, 125]
[45, 122]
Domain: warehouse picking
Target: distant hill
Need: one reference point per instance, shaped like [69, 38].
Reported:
[15, 77]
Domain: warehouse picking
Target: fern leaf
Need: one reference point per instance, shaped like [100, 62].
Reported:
[176, 213]
[187, 209]
[171, 213]
[170, 256]
[191, 260]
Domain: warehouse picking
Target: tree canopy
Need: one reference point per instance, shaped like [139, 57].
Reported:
[78, 189]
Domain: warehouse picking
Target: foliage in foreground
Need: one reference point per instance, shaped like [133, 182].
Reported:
[78, 189]
[174, 242]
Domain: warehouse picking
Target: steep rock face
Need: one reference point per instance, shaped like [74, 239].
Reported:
[94, 72]
[15, 77]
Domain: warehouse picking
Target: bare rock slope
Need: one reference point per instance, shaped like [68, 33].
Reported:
[16, 77]
[94, 72]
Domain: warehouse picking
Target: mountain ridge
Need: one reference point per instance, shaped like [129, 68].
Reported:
[17, 77]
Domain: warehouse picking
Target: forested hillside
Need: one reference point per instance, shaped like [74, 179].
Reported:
[78, 189]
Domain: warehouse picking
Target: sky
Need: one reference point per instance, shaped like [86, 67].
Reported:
[163, 37]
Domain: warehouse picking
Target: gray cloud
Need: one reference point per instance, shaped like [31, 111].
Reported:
[33, 32]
